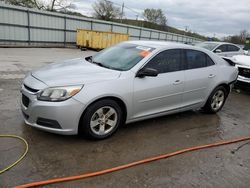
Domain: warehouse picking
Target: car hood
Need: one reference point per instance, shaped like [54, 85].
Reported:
[241, 60]
[73, 72]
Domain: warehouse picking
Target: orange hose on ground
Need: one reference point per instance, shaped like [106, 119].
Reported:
[129, 165]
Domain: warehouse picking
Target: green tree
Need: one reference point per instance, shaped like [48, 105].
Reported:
[105, 10]
[155, 16]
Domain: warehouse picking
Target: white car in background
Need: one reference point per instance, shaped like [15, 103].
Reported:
[222, 48]
[234, 54]
[243, 64]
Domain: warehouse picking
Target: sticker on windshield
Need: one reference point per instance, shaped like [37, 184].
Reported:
[144, 53]
[143, 48]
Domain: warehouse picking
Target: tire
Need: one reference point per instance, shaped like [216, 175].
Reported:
[101, 119]
[216, 100]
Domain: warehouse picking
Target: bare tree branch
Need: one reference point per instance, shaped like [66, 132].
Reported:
[105, 10]
[155, 16]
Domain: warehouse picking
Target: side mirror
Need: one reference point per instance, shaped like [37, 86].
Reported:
[147, 72]
[218, 51]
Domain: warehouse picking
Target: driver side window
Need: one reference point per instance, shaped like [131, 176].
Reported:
[223, 48]
[166, 61]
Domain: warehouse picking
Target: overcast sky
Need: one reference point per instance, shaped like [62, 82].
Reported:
[207, 17]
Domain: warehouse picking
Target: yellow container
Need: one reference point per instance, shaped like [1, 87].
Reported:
[98, 39]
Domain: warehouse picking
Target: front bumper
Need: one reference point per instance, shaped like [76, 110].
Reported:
[243, 80]
[243, 83]
[56, 117]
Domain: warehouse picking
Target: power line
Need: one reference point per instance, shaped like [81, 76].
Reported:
[123, 6]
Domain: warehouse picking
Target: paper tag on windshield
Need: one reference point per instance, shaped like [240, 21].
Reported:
[144, 53]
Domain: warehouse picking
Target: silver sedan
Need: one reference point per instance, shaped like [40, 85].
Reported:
[128, 82]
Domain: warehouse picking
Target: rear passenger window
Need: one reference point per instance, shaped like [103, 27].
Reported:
[197, 59]
[166, 61]
[232, 48]
[209, 61]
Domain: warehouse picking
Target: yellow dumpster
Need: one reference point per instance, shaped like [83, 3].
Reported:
[98, 39]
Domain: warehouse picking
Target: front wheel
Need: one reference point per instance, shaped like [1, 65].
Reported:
[101, 119]
[216, 100]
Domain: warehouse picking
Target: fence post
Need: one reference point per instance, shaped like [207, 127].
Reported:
[140, 34]
[150, 36]
[111, 27]
[65, 25]
[91, 25]
[28, 22]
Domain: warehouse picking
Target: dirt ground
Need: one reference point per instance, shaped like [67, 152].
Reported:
[53, 155]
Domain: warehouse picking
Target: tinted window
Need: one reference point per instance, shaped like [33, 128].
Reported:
[232, 48]
[223, 48]
[208, 45]
[167, 61]
[209, 61]
[195, 59]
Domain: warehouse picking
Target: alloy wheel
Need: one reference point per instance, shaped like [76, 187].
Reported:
[217, 100]
[103, 120]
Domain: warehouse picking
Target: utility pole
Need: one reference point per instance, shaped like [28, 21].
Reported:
[186, 29]
[122, 11]
[137, 16]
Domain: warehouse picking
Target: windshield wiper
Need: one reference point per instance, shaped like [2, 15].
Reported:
[101, 65]
[89, 59]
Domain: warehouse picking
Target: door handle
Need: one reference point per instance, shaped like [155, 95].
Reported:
[211, 76]
[177, 82]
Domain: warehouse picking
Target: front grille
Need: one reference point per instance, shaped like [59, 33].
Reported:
[244, 72]
[30, 89]
[25, 100]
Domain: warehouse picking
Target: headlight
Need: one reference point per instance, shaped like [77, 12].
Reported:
[58, 93]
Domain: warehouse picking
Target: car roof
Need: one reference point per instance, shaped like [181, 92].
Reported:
[162, 45]
[218, 43]
[159, 44]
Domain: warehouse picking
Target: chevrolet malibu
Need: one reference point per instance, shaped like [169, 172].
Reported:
[128, 82]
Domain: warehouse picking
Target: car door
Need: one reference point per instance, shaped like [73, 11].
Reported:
[200, 71]
[162, 93]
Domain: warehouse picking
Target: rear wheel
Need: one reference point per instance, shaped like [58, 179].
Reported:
[101, 119]
[216, 100]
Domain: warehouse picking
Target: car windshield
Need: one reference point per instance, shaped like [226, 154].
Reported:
[122, 56]
[207, 45]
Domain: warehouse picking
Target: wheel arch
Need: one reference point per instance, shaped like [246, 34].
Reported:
[223, 84]
[226, 86]
[119, 101]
